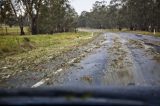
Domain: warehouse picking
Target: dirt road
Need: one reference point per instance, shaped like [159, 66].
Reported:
[111, 59]
[121, 59]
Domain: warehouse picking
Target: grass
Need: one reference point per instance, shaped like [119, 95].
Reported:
[10, 45]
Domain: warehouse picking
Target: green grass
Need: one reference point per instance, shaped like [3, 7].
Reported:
[10, 45]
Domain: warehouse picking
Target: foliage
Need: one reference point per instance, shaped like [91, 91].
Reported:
[56, 16]
[132, 14]
[6, 14]
[41, 16]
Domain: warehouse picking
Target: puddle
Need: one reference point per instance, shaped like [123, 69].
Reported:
[156, 47]
[136, 43]
[138, 35]
[87, 79]
[157, 58]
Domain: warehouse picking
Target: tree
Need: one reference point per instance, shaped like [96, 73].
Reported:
[56, 16]
[19, 12]
[139, 14]
[6, 13]
[82, 19]
[32, 8]
[132, 14]
[95, 18]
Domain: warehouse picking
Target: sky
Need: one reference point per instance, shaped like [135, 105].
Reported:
[84, 5]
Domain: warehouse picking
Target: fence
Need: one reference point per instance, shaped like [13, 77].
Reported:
[14, 30]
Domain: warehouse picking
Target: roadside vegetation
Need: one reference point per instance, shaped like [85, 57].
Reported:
[25, 53]
[10, 45]
[133, 15]
[40, 16]
[157, 34]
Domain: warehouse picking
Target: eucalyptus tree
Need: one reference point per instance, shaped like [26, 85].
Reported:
[132, 14]
[140, 14]
[56, 16]
[6, 13]
[19, 13]
[32, 8]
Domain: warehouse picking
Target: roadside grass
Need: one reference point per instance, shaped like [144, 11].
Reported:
[10, 45]
[157, 34]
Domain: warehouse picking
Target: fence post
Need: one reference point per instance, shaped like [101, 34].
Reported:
[6, 30]
[154, 31]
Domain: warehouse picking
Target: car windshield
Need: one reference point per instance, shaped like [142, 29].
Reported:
[49, 43]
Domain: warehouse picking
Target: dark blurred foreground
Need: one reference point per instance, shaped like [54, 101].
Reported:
[98, 96]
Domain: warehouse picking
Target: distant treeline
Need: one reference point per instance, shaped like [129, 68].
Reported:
[42, 16]
[131, 14]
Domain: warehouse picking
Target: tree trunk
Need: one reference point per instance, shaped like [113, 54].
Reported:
[21, 25]
[22, 30]
[34, 26]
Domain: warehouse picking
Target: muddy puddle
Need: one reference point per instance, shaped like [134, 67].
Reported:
[88, 71]
[138, 35]
[87, 79]
[156, 47]
[146, 58]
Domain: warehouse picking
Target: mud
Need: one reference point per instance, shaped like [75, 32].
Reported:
[122, 59]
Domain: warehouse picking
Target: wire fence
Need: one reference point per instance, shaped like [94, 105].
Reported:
[14, 30]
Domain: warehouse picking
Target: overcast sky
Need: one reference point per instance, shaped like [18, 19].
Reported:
[84, 5]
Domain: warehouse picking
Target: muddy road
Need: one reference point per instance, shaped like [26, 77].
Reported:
[121, 59]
